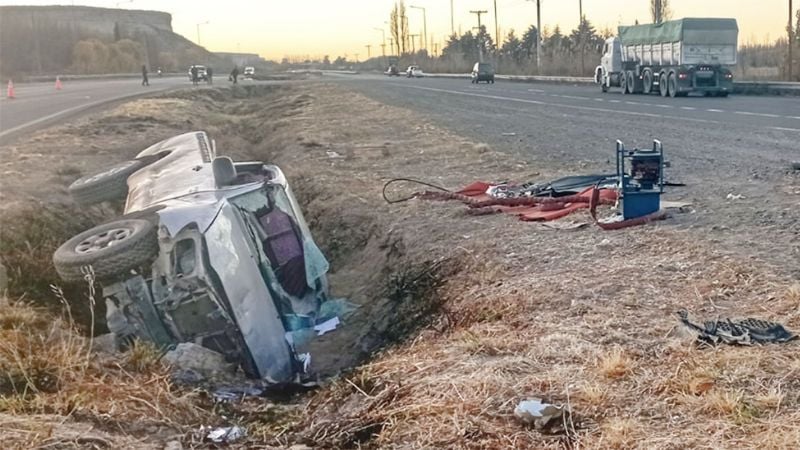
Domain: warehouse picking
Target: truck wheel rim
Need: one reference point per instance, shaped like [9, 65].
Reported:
[100, 241]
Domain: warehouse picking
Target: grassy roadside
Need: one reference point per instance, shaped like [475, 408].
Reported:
[513, 310]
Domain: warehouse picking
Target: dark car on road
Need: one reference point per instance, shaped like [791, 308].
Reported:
[392, 71]
[483, 71]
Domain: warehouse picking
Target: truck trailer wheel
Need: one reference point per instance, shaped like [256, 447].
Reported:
[663, 88]
[673, 85]
[647, 81]
[623, 83]
[631, 76]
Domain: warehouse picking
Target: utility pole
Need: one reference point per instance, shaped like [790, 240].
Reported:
[496, 26]
[583, 38]
[538, 35]
[391, 43]
[452, 22]
[383, 45]
[368, 51]
[424, 26]
[791, 44]
[413, 47]
[478, 13]
[481, 45]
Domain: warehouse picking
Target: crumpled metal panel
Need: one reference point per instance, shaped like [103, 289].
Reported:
[235, 261]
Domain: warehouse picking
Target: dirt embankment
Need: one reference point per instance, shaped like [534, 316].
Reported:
[482, 311]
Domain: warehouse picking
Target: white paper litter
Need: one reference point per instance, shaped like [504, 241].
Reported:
[328, 325]
[226, 434]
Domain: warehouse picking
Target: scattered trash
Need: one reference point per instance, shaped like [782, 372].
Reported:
[225, 435]
[742, 332]
[227, 394]
[543, 416]
[332, 154]
[328, 325]
[735, 196]
[305, 360]
[204, 361]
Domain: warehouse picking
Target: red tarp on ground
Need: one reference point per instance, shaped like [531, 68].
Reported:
[541, 212]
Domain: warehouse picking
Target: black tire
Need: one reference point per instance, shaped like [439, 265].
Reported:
[492, 80]
[112, 249]
[630, 81]
[623, 83]
[663, 87]
[672, 82]
[603, 86]
[647, 82]
[110, 184]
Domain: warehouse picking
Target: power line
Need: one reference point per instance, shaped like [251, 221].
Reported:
[478, 13]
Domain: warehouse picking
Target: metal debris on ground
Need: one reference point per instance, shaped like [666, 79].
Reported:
[543, 416]
[737, 332]
[227, 394]
[225, 435]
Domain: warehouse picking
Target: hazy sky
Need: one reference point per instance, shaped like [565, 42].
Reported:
[318, 27]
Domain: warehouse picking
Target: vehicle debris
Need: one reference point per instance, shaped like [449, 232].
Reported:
[226, 435]
[543, 416]
[747, 331]
[210, 254]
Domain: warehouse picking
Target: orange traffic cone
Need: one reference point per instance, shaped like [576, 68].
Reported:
[10, 90]
[58, 83]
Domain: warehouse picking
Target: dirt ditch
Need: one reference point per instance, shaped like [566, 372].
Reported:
[460, 316]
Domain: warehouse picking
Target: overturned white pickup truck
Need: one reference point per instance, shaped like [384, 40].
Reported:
[208, 251]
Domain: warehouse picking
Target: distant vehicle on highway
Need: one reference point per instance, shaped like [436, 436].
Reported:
[202, 74]
[414, 72]
[392, 71]
[249, 71]
[483, 71]
[673, 58]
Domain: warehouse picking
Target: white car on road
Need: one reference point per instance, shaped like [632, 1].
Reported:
[414, 72]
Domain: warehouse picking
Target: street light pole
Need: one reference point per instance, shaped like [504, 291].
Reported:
[198, 31]
[791, 44]
[424, 26]
[496, 26]
[452, 22]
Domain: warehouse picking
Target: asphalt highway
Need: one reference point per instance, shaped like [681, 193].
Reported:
[734, 153]
[39, 104]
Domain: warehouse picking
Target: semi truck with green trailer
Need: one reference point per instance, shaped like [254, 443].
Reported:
[672, 58]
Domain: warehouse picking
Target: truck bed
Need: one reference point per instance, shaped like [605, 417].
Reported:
[690, 41]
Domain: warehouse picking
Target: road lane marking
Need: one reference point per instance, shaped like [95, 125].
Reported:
[715, 110]
[615, 101]
[599, 100]
[562, 105]
[785, 129]
[573, 97]
[632, 103]
[688, 108]
[794, 117]
[535, 90]
[747, 113]
[664, 106]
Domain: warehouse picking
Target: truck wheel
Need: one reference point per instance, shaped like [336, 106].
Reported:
[110, 184]
[603, 86]
[623, 83]
[673, 85]
[631, 82]
[112, 249]
[647, 81]
[662, 85]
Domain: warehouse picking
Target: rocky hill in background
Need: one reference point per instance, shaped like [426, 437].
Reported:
[42, 40]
